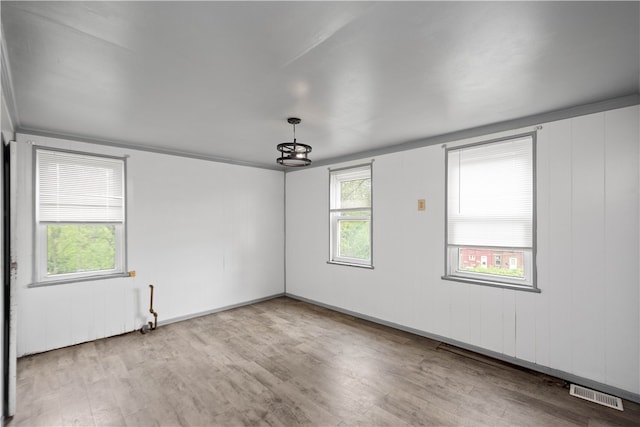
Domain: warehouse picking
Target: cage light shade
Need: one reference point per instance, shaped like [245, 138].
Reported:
[293, 153]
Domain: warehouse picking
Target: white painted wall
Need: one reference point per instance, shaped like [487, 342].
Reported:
[206, 235]
[586, 320]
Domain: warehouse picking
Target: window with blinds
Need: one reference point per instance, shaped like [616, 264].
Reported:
[490, 212]
[80, 215]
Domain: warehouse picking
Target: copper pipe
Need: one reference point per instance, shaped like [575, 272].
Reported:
[153, 325]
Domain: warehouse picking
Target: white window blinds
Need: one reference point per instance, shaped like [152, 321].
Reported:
[79, 188]
[490, 194]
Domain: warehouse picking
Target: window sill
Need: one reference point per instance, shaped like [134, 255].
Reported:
[349, 264]
[525, 288]
[77, 279]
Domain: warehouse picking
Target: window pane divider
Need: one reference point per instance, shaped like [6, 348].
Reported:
[349, 209]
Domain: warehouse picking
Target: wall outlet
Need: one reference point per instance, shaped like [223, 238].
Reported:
[422, 204]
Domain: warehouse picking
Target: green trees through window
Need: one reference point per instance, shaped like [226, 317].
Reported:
[80, 248]
[355, 193]
[355, 238]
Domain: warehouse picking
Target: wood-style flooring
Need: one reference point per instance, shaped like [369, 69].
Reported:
[286, 362]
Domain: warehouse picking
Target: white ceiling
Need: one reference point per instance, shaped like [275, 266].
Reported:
[219, 79]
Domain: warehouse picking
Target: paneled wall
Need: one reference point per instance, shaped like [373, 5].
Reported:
[207, 235]
[586, 320]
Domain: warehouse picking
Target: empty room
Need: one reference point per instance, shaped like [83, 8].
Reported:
[320, 213]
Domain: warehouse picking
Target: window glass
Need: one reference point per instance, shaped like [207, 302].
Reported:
[355, 193]
[355, 238]
[73, 248]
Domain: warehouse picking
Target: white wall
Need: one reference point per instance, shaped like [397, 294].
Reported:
[206, 235]
[586, 320]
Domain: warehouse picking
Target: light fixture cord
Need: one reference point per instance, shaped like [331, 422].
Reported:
[294, 133]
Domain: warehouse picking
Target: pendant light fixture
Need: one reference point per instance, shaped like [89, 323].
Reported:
[293, 153]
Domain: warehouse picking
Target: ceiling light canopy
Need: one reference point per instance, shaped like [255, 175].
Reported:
[294, 153]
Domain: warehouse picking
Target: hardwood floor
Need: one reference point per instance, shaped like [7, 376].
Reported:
[285, 362]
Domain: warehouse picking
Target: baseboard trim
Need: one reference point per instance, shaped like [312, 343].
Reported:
[217, 310]
[633, 397]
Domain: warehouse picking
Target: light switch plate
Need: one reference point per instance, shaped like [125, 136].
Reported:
[421, 204]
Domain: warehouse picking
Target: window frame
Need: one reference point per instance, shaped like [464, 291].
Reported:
[334, 219]
[40, 237]
[451, 252]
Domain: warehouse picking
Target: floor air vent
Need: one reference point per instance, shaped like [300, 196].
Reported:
[596, 396]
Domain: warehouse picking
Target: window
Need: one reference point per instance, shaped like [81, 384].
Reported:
[80, 215]
[350, 216]
[490, 212]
